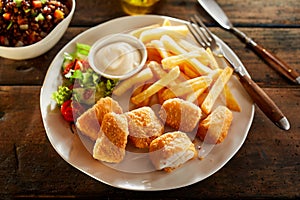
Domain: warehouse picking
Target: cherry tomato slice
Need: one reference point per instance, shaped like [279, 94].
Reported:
[67, 111]
[68, 67]
[78, 65]
[75, 65]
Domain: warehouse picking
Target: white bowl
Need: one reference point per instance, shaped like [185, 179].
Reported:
[137, 47]
[42, 46]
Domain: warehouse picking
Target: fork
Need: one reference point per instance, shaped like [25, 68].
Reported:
[207, 40]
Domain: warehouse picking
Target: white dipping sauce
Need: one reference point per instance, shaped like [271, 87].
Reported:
[117, 58]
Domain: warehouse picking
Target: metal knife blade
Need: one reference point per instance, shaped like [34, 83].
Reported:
[216, 12]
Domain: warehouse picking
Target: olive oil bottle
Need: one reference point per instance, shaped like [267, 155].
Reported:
[138, 7]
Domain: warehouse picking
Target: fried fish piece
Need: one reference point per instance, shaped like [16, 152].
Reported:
[111, 143]
[107, 105]
[90, 121]
[180, 114]
[171, 150]
[214, 128]
[144, 126]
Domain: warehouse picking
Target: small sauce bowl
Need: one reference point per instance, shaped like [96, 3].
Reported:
[117, 56]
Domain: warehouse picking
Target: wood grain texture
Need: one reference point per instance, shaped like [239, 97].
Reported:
[268, 159]
[242, 13]
[266, 167]
[285, 43]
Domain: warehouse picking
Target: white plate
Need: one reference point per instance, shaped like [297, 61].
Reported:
[70, 147]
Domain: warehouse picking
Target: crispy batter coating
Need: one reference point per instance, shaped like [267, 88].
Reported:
[106, 105]
[90, 121]
[88, 124]
[171, 150]
[214, 128]
[144, 126]
[180, 114]
[110, 146]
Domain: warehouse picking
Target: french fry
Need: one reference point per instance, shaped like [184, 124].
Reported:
[166, 22]
[215, 74]
[172, 46]
[195, 95]
[188, 46]
[158, 71]
[167, 94]
[173, 61]
[146, 102]
[231, 102]
[155, 87]
[154, 100]
[156, 33]
[137, 90]
[189, 71]
[143, 76]
[200, 81]
[160, 48]
[204, 57]
[137, 32]
[153, 53]
[213, 63]
[186, 87]
[159, 96]
[216, 90]
[183, 74]
[201, 97]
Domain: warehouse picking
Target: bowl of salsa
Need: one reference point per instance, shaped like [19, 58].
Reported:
[29, 28]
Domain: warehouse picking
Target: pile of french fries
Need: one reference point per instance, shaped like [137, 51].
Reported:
[177, 67]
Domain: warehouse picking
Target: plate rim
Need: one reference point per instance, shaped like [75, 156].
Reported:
[156, 17]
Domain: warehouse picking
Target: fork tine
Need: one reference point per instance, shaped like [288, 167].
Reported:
[200, 32]
[206, 31]
[196, 33]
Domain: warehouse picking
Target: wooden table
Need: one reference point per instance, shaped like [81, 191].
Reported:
[267, 165]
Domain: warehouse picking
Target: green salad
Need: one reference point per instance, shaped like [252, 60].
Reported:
[81, 87]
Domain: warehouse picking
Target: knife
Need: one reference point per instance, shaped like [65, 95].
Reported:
[215, 11]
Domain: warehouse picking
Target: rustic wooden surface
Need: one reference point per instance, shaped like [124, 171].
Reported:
[267, 166]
